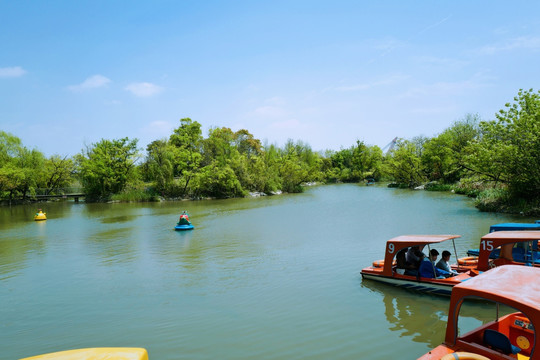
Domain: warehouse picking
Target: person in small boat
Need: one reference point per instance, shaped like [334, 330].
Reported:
[184, 219]
[444, 264]
[403, 267]
[427, 267]
[413, 256]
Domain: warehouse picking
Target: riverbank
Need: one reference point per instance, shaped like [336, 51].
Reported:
[490, 199]
[486, 198]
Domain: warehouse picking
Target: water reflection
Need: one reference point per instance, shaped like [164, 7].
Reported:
[419, 316]
[423, 317]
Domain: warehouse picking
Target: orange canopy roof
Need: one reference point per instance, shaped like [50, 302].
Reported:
[412, 240]
[513, 236]
[495, 239]
[393, 246]
[514, 285]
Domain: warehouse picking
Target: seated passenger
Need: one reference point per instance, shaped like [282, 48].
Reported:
[403, 266]
[413, 256]
[427, 267]
[444, 264]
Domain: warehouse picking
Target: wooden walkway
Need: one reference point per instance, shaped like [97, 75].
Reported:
[66, 193]
[63, 196]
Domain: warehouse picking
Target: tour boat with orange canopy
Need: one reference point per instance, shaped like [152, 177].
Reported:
[500, 248]
[519, 254]
[387, 270]
[101, 353]
[512, 336]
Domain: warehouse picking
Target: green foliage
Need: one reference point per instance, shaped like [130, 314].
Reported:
[57, 173]
[492, 199]
[354, 164]
[496, 161]
[444, 157]
[435, 186]
[217, 181]
[509, 148]
[404, 164]
[106, 167]
[187, 141]
[159, 165]
[20, 169]
[135, 192]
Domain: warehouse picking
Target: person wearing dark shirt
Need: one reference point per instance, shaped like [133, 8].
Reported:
[427, 267]
[403, 266]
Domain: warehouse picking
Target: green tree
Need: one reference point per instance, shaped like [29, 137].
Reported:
[57, 173]
[217, 180]
[354, 164]
[444, 157]
[187, 140]
[159, 165]
[404, 163]
[20, 168]
[508, 150]
[293, 169]
[106, 167]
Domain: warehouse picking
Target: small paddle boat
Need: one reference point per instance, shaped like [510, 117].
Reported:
[519, 253]
[184, 223]
[118, 353]
[505, 247]
[40, 215]
[512, 336]
[388, 271]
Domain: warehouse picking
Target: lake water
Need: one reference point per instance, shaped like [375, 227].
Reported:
[259, 278]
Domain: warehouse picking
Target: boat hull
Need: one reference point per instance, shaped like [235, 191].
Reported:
[183, 227]
[423, 286]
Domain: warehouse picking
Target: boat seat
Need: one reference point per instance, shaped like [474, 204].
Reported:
[500, 342]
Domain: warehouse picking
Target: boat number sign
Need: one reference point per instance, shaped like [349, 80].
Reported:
[486, 245]
[391, 248]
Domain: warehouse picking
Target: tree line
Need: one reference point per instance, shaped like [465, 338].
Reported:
[497, 161]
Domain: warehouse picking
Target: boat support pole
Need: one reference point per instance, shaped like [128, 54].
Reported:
[455, 252]
[432, 264]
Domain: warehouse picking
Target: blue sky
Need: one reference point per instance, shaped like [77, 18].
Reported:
[327, 73]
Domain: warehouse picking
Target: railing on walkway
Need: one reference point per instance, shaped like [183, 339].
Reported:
[67, 192]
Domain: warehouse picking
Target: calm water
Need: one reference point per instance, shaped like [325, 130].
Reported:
[265, 278]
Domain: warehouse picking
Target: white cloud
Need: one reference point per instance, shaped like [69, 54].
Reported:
[143, 89]
[15, 71]
[93, 82]
[524, 42]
